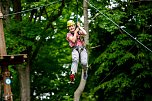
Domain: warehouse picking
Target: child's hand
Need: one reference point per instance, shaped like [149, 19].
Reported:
[78, 24]
[77, 29]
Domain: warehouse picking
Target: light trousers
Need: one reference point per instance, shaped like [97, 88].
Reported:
[79, 53]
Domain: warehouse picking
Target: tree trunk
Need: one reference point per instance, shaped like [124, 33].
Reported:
[0, 90]
[17, 8]
[24, 77]
[86, 24]
[5, 10]
[23, 70]
[80, 89]
[82, 84]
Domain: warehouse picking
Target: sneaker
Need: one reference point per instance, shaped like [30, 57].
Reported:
[85, 75]
[72, 78]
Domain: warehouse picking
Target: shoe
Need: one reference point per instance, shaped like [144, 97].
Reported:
[72, 78]
[85, 75]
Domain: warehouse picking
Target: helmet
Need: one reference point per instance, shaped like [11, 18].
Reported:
[70, 22]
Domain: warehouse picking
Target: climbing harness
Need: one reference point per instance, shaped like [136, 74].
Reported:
[79, 48]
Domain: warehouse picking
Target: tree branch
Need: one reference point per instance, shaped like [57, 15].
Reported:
[50, 20]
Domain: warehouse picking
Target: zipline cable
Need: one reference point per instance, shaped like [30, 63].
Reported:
[77, 12]
[119, 27]
[113, 68]
[31, 9]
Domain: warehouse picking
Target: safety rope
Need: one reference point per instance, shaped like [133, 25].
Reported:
[77, 12]
[119, 27]
[31, 9]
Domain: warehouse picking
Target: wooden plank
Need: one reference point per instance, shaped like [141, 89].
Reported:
[12, 59]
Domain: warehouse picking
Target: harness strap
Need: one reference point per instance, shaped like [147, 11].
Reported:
[79, 48]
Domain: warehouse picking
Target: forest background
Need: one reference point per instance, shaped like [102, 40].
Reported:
[119, 67]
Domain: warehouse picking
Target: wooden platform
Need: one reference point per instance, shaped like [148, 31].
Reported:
[12, 59]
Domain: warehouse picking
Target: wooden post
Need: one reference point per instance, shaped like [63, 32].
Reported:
[2, 39]
[4, 66]
[6, 60]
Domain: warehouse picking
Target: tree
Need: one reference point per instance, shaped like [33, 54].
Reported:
[119, 67]
[82, 84]
[28, 44]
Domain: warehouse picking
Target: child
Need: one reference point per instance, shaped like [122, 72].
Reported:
[75, 37]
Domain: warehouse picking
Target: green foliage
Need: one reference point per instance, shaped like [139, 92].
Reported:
[124, 64]
[119, 67]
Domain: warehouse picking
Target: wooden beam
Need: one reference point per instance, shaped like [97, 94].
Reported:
[12, 59]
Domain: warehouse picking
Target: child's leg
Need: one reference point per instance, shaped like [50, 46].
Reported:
[75, 60]
[84, 62]
[84, 58]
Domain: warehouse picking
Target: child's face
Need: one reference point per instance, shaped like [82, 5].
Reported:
[71, 28]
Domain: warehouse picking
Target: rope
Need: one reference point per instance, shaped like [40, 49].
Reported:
[113, 68]
[31, 9]
[119, 27]
[77, 13]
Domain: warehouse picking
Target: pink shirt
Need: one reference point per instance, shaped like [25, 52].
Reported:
[79, 42]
